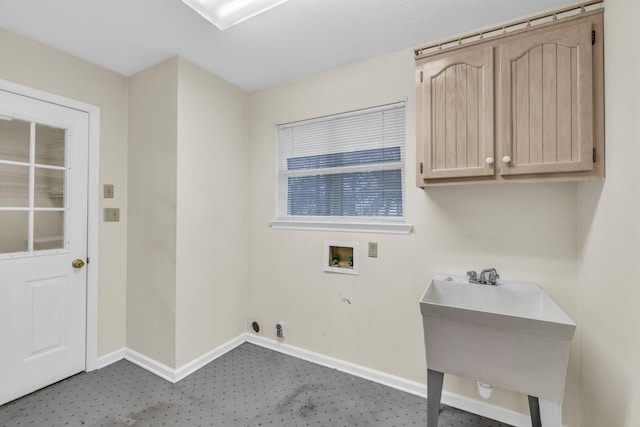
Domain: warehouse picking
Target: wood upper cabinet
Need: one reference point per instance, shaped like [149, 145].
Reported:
[527, 105]
[456, 102]
[547, 101]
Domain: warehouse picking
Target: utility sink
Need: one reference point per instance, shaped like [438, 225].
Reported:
[511, 335]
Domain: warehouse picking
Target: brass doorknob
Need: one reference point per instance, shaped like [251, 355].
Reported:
[77, 263]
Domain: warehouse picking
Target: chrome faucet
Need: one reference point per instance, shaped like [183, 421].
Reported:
[492, 278]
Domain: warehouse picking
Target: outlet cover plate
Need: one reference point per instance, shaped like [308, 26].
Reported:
[111, 214]
[373, 249]
[108, 191]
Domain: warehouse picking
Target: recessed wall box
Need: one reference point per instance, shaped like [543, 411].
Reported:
[341, 257]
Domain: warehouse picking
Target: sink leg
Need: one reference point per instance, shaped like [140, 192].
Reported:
[545, 413]
[434, 394]
[534, 409]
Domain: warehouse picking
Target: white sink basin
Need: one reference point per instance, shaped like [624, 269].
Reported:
[512, 335]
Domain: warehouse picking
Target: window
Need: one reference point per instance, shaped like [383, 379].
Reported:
[344, 171]
[32, 187]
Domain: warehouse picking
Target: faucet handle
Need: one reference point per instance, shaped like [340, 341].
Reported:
[491, 280]
[472, 275]
[493, 277]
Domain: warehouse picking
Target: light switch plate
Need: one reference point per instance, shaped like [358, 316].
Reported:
[111, 214]
[108, 191]
[373, 249]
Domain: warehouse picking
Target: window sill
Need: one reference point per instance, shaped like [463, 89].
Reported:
[356, 227]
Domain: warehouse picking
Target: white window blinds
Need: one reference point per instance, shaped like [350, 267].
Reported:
[344, 167]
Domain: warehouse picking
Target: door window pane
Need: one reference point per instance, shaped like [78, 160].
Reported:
[14, 231]
[48, 230]
[46, 184]
[49, 191]
[14, 140]
[50, 145]
[14, 186]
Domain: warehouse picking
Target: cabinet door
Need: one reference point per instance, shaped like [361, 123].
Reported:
[546, 113]
[455, 114]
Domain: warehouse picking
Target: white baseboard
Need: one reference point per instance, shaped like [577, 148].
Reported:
[419, 389]
[189, 368]
[164, 371]
[485, 409]
[398, 383]
[151, 365]
[110, 358]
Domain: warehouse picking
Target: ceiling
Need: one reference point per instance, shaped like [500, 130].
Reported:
[296, 39]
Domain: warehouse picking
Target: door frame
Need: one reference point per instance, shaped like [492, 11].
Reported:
[93, 207]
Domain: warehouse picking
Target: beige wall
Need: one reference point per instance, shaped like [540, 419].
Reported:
[151, 278]
[609, 217]
[212, 211]
[188, 212]
[589, 266]
[526, 231]
[32, 64]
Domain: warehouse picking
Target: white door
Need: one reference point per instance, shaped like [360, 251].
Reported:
[43, 230]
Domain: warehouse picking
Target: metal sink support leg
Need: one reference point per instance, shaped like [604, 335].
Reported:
[545, 413]
[534, 409]
[434, 394]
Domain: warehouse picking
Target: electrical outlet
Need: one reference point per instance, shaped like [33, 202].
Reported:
[280, 329]
[108, 191]
[373, 249]
[111, 214]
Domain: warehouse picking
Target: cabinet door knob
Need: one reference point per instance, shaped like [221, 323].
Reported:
[506, 159]
[489, 160]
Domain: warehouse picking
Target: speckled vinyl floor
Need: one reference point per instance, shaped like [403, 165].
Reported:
[249, 386]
